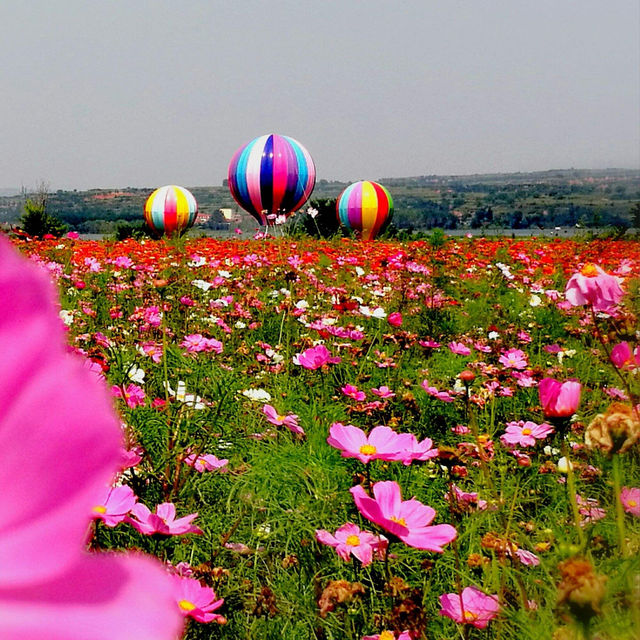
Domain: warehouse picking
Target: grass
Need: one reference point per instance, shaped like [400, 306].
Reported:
[258, 548]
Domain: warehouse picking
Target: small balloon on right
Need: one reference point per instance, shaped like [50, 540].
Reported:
[364, 207]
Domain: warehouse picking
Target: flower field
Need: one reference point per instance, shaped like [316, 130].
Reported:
[327, 439]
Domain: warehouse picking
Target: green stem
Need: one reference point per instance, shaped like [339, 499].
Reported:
[619, 511]
[571, 490]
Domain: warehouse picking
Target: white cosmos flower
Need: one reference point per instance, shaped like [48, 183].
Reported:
[135, 374]
[202, 284]
[181, 395]
[257, 395]
[377, 312]
[66, 317]
[564, 465]
[535, 301]
[198, 261]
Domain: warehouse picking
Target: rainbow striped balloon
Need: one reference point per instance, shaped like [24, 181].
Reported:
[170, 210]
[364, 207]
[270, 176]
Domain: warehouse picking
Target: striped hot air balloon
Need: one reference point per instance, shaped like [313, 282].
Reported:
[364, 207]
[270, 176]
[170, 210]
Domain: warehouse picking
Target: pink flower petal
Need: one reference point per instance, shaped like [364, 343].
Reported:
[99, 597]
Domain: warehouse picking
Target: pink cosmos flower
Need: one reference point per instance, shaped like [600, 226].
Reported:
[315, 357]
[465, 499]
[290, 421]
[473, 607]
[527, 558]
[205, 462]
[589, 509]
[114, 507]
[514, 359]
[411, 449]
[383, 392]
[196, 343]
[409, 520]
[50, 586]
[349, 540]
[429, 344]
[444, 396]
[130, 457]
[195, 600]
[592, 285]
[630, 498]
[395, 319]
[134, 396]
[152, 349]
[352, 391]
[381, 444]
[390, 635]
[162, 521]
[459, 349]
[559, 399]
[524, 434]
[623, 357]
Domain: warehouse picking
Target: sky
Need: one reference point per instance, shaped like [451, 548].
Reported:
[141, 93]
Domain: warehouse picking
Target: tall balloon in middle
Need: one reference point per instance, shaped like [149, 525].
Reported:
[271, 175]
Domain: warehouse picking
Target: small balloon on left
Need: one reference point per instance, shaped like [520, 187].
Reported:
[170, 210]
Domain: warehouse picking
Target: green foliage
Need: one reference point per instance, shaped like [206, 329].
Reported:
[258, 549]
[37, 222]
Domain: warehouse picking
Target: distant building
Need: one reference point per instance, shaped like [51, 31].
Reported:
[229, 215]
[203, 218]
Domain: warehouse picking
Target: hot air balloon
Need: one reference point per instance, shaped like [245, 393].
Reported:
[170, 210]
[271, 176]
[364, 207]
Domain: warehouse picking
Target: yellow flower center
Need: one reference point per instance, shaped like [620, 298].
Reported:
[469, 616]
[368, 449]
[401, 521]
[526, 431]
[100, 509]
[632, 503]
[185, 605]
[386, 635]
[589, 270]
[353, 540]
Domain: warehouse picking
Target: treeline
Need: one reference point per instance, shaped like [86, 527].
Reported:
[512, 201]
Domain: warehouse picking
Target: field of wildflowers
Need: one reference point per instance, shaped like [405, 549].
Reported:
[331, 440]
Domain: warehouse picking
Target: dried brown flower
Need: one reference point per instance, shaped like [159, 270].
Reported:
[265, 604]
[614, 431]
[338, 592]
[580, 588]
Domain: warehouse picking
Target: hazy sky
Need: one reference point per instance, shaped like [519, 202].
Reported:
[102, 93]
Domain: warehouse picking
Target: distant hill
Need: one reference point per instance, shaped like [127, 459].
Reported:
[542, 199]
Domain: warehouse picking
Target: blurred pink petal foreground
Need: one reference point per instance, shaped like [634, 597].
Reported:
[474, 607]
[50, 587]
[408, 520]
